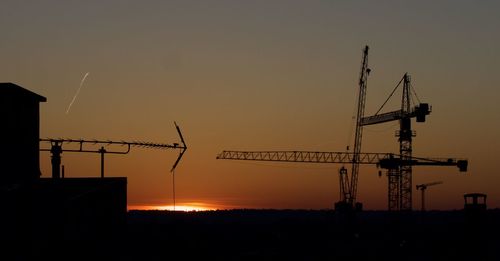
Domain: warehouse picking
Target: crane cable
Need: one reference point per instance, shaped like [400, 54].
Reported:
[351, 125]
[390, 95]
[414, 92]
[173, 186]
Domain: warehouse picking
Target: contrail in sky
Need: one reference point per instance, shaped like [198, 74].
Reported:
[77, 92]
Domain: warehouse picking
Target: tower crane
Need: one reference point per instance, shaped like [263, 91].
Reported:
[423, 187]
[348, 191]
[388, 161]
[400, 179]
[399, 167]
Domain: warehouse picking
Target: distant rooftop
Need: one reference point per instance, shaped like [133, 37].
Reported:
[11, 89]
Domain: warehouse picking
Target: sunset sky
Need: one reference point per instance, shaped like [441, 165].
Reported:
[260, 75]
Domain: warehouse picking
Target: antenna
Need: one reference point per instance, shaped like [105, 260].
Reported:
[183, 147]
[57, 149]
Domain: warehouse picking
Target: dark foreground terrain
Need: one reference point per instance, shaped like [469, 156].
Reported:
[312, 235]
[289, 235]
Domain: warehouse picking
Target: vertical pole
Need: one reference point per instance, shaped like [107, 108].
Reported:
[423, 199]
[102, 151]
[344, 185]
[173, 186]
[56, 151]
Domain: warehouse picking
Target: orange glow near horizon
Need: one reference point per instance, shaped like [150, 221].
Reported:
[187, 207]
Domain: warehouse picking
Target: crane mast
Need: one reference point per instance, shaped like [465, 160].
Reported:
[363, 78]
[403, 201]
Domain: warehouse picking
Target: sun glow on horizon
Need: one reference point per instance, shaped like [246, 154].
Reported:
[187, 207]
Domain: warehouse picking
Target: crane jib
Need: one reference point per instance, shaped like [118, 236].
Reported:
[382, 160]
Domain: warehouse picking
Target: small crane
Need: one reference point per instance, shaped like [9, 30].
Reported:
[423, 187]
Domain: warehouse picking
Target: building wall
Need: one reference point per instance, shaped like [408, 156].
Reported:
[19, 149]
[51, 217]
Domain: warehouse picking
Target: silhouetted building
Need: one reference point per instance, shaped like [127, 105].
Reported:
[49, 216]
[78, 213]
[19, 155]
[475, 202]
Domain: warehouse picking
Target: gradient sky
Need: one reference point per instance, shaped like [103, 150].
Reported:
[259, 75]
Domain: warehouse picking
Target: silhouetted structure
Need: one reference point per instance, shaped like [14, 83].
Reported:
[399, 167]
[400, 177]
[77, 214]
[475, 202]
[423, 188]
[56, 149]
[308, 235]
[47, 217]
[19, 157]
[387, 161]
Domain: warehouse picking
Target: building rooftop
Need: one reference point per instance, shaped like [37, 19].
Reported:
[13, 90]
